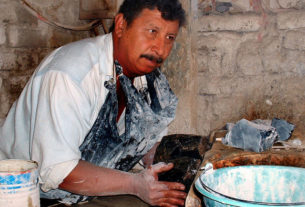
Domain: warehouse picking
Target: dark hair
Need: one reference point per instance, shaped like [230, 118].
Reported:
[170, 9]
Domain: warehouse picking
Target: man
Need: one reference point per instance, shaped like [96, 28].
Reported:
[71, 115]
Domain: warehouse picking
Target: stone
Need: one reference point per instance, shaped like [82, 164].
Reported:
[250, 136]
[186, 153]
[208, 88]
[271, 53]
[24, 16]
[283, 128]
[274, 4]
[291, 4]
[240, 23]
[213, 110]
[291, 20]
[249, 60]
[7, 12]
[294, 62]
[21, 59]
[295, 40]
[27, 37]
[59, 38]
[217, 52]
[210, 6]
[2, 35]
[223, 6]
[7, 59]
[242, 5]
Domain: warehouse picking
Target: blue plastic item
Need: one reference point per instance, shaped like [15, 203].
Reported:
[259, 185]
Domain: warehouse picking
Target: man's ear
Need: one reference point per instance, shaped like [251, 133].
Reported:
[120, 25]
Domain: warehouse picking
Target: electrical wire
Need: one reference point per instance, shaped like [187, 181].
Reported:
[85, 27]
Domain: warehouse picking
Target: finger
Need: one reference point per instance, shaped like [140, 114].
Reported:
[157, 166]
[174, 194]
[162, 191]
[170, 202]
[161, 167]
[173, 185]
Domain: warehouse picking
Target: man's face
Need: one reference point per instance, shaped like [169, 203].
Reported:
[144, 44]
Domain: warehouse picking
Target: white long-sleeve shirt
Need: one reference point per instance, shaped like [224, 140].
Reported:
[58, 107]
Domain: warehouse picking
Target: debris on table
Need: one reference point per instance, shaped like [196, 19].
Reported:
[258, 135]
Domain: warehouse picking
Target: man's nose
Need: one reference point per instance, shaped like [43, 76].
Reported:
[159, 46]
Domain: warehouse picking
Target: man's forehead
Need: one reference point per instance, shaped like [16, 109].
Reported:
[148, 14]
[153, 18]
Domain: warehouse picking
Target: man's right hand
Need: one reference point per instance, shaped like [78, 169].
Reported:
[90, 180]
[158, 193]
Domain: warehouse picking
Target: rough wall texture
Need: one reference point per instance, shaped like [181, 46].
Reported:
[234, 58]
[25, 41]
[250, 59]
[181, 76]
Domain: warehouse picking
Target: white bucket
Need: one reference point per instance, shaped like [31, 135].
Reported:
[19, 183]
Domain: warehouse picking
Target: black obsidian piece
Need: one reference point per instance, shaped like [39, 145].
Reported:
[186, 153]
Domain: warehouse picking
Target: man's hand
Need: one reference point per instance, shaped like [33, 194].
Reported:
[158, 193]
[88, 179]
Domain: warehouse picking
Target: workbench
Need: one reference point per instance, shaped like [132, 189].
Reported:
[224, 156]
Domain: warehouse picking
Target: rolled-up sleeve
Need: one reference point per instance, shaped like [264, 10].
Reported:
[61, 124]
[55, 174]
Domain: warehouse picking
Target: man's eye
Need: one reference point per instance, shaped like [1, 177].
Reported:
[152, 31]
[171, 37]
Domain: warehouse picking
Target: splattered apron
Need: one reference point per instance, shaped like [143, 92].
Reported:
[148, 112]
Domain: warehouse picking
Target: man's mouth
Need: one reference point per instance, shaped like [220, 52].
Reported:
[157, 60]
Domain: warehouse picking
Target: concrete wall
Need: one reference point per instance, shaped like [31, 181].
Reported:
[243, 61]
[246, 61]
[25, 41]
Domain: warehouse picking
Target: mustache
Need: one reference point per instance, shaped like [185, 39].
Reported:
[158, 60]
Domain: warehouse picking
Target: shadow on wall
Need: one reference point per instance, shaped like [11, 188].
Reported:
[267, 109]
